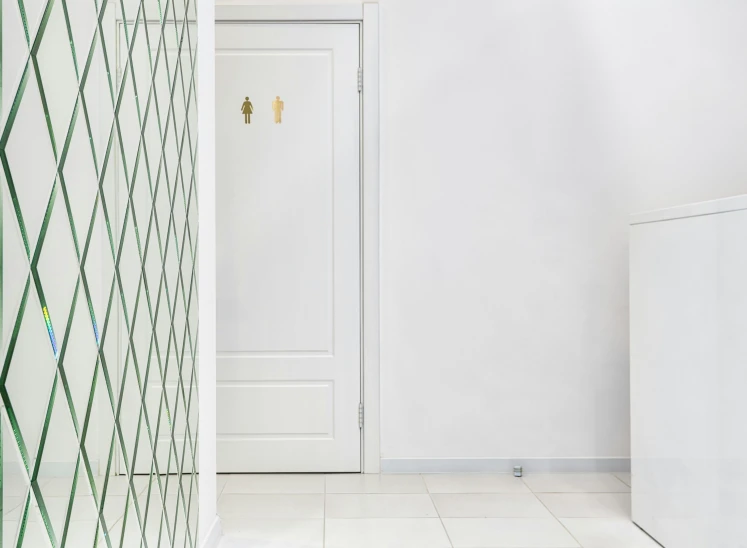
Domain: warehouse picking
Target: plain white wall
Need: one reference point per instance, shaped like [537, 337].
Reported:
[209, 525]
[517, 136]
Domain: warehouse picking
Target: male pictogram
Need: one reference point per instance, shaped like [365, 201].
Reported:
[246, 110]
[277, 107]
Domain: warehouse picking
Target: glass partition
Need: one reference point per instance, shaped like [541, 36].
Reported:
[98, 284]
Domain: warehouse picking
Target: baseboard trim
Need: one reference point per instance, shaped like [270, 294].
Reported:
[212, 538]
[503, 465]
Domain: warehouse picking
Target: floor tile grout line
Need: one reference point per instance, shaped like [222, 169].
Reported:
[558, 520]
[440, 518]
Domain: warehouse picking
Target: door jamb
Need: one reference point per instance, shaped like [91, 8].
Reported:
[367, 16]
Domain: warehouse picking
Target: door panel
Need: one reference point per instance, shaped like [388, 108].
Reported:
[288, 247]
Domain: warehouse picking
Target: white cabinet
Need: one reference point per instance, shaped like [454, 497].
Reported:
[688, 322]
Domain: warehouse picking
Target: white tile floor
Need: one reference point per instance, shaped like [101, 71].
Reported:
[428, 511]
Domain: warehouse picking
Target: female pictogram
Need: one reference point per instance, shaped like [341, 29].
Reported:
[246, 110]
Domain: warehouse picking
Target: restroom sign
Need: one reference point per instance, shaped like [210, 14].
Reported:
[277, 108]
[247, 109]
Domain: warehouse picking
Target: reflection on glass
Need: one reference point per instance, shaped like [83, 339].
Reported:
[98, 284]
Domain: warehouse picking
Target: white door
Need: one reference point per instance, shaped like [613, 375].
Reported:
[288, 250]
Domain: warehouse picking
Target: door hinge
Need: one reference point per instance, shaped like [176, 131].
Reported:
[360, 79]
[360, 415]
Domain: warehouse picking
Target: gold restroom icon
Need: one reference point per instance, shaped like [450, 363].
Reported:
[277, 108]
[246, 110]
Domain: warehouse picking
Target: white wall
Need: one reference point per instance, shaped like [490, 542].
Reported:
[209, 525]
[517, 136]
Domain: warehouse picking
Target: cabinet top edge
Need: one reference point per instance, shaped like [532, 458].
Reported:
[711, 207]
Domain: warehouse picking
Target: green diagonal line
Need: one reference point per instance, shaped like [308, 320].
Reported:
[163, 285]
[71, 502]
[24, 520]
[15, 428]
[35, 274]
[185, 31]
[139, 286]
[104, 369]
[189, 509]
[34, 480]
[72, 43]
[11, 186]
[3, 378]
[192, 352]
[185, 300]
[50, 406]
[186, 329]
[70, 217]
[62, 376]
[180, 384]
[45, 106]
[13, 112]
[105, 215]
[100, 31]
[14, 335]
[89, 472]
[130, 46]
[59, 161]
[104, 490]
[182, 389]
[124, 518]
[159, 353]
[187, 326]
[179, 175]
[34, 47]
[24, 20]
[172, 336]
[192, 163]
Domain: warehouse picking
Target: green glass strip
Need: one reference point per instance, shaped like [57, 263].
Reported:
[24, 520]
[24, 20]
[192, 383]
[14, 335]
[169, 342]
[172, 293]
[108, 474]
[43, 507]
[107, 67]
[42, 27]
[71, 502]
[6, 167]
[35, 272]
[45, 105]
[192, 175]
[84, 454]
[70, 38]
[59, 373]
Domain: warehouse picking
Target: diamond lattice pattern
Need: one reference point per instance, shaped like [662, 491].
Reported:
[98, 285]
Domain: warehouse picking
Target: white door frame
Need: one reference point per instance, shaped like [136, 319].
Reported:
[367, 17]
